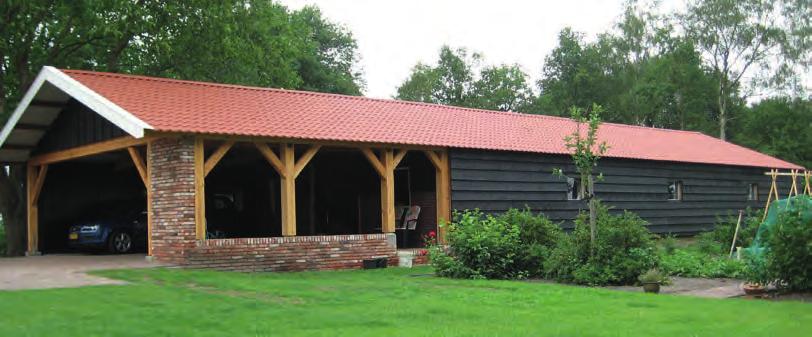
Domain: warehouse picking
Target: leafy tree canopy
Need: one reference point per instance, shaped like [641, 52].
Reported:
[458, 79]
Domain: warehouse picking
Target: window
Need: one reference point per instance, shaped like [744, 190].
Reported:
[573, 189]
[675, 190]
[752, 193]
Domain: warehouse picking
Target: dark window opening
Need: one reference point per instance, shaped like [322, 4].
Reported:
[752, 194]
[574, 191]
[675, 190]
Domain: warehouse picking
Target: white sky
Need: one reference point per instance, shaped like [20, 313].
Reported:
[393, 35]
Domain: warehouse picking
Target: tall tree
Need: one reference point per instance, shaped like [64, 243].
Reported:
[458, 80]
[736, 38]
[251, 42]
[778, 126]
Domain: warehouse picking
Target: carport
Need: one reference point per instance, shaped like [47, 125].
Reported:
[347, 191]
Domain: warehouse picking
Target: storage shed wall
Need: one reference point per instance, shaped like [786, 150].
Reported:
[495, 181]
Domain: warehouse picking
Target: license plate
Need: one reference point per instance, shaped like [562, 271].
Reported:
[73, 236]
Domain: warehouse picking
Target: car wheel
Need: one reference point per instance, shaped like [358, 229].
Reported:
[120, 243]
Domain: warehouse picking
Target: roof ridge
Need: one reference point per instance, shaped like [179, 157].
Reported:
[343, 96]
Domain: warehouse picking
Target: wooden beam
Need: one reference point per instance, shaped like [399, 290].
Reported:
[272, 158]
[139, 164]
[217, 156]
[48, 104]
[288, 190]
[306, 157]
[434, 159]
[200, 191]
[43, 170]
[29, 126]
[399, 156]
[87, 150]
[373, 159]
[32, 211]
[298, 141]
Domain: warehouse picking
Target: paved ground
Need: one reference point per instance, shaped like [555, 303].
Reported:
[63, 271]
[712, 288]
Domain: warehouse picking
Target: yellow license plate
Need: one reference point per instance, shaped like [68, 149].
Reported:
[73, 236]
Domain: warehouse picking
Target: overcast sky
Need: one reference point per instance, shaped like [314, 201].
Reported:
[393, 35]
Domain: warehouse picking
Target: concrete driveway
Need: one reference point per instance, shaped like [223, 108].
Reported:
[63, 270]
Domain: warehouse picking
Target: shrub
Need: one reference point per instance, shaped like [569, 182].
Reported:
[669, 243]
[511, 245]
[718, 240]
[789, 248]
[654, 276]
[692, 263]
[480, 246]
[624, 249]
[537, 234]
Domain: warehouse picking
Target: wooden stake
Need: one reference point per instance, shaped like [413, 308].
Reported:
[807, 187]
[736, 232]
[773, 191]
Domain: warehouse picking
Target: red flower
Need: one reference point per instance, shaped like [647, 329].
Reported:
[422, 252]
[432, 234]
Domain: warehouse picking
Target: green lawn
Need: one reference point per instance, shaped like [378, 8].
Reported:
[390, 302]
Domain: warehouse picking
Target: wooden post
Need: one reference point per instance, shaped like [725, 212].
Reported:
[807, 187]
[200, 190]
[442, 184]
[288, 188]
[385, 166]
[35, 179]
[288, 168]
[144, 172]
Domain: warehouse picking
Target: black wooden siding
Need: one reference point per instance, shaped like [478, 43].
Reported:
[77, 125]
[496, 181]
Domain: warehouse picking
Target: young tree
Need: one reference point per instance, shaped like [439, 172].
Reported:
[737, 37]
[586, 150]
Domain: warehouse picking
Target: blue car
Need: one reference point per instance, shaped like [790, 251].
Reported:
[119, 229]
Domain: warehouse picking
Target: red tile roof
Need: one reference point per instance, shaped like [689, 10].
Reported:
[197, 107]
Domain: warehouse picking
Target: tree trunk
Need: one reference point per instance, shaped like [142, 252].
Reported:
[593, 212]
[722, 110]
[12, 206]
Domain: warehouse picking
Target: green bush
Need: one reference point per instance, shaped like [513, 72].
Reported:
[789, 249]
[624, 249]
[537, 234]
[692, 263]
[508, 246]
[480, 246]
[718, 240]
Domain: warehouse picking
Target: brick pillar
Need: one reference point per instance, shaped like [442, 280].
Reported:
[173, 198]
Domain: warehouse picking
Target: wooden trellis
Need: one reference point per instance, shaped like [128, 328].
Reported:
[793, 190]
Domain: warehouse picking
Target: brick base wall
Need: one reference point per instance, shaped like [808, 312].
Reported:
[290, 253]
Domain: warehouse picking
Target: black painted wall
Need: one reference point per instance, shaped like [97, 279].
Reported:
[77, 125]
[496, 181]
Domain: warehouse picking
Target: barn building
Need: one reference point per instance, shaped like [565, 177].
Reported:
[245, 178]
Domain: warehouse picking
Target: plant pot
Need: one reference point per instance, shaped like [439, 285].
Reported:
[753, 289]
[651, 287]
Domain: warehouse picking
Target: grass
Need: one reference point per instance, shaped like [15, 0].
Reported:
[389, 302]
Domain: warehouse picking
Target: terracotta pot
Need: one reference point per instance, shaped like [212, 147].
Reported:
[651, 287]
[753, 289]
